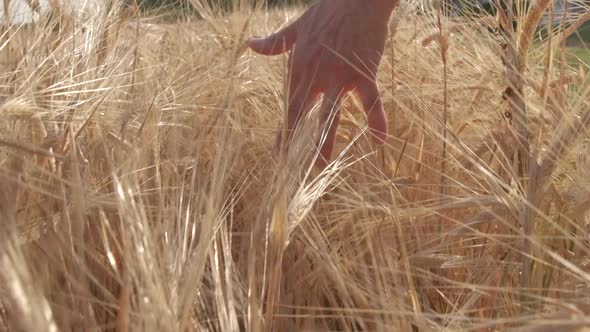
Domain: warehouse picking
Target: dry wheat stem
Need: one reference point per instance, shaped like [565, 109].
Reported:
[184, 220]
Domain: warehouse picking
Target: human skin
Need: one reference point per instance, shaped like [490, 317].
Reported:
[335, 47]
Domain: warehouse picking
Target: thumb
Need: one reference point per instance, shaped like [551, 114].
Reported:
[283, 40]
[277, 43]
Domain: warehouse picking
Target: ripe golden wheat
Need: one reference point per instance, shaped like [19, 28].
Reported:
[138, 190]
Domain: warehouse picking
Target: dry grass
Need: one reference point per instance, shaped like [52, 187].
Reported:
[138, 190]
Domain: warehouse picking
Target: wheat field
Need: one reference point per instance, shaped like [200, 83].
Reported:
[139, 190]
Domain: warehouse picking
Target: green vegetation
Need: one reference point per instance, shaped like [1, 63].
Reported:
[581, 36]
[578, 55]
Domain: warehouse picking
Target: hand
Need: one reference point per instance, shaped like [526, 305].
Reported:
[336, 47]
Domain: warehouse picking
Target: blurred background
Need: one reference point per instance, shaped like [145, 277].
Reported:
[26, 11]
[20, 10]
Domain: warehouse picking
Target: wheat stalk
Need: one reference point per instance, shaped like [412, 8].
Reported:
[186, 221]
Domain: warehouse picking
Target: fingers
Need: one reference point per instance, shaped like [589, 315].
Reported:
[368, 93]
[329, 118]
[301, 97]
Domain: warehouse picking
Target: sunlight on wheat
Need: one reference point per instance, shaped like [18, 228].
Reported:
[139, 190]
